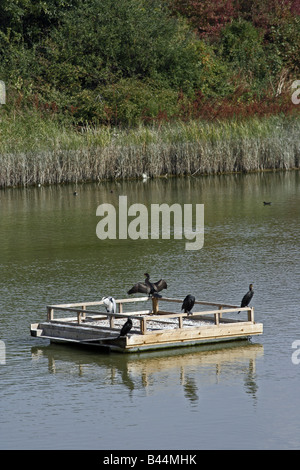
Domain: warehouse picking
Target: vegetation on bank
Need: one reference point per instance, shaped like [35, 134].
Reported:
[46, 153]
[92, 84]
[133, 61]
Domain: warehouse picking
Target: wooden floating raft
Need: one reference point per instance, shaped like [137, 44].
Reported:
[152, 328]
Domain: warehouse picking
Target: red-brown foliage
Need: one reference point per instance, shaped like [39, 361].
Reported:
[228, 108]
[208, 17]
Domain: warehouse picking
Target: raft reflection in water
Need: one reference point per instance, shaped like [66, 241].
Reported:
[186, 367]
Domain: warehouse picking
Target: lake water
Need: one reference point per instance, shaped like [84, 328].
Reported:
[242, 396]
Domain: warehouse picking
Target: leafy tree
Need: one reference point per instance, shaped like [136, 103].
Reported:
[127, 60]
[109, 40]
[32, 19]
[284, 45]
[242, 47]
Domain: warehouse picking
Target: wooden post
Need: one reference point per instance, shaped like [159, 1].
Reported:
[220, 315]
[50, 313]
[251, 315]
[120, 308]
[143, 325]
[154, 305]
[83, 312]
[180, 322]
[217, 318]
[111, 321]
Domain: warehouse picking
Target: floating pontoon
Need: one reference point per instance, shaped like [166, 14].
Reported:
[152, 328]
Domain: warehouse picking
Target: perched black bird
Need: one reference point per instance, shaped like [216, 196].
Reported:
[247, 297]
[148, 287]
[126, 327]
[188, 304]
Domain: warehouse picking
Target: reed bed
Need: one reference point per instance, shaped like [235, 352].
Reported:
[38, 152]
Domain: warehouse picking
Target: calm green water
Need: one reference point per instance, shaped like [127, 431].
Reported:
[242, 396]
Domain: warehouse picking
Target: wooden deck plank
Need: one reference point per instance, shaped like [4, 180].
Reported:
[213, 332]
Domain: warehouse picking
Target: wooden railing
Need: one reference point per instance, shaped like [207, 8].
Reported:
[153, 315]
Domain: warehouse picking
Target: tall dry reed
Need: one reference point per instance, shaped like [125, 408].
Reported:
[62, 155]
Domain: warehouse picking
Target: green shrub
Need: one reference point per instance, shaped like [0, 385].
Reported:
[242, 47]
[130, 61]
[284, 45]
[123, 39]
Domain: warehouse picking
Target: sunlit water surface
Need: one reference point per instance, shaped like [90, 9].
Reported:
[242, 396]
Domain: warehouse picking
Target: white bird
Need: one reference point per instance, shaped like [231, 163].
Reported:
[110, 304]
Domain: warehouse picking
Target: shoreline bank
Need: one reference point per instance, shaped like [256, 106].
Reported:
[60, 155]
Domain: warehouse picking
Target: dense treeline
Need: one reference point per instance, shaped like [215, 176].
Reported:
[133, 61]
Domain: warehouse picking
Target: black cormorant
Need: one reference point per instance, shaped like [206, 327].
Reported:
[247, 297]
[188, 304]
[126, 327]
[148, 287]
